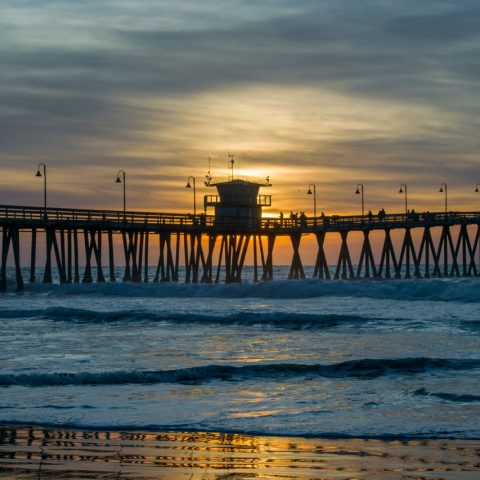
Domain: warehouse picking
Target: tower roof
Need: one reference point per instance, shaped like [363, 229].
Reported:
[238, 183]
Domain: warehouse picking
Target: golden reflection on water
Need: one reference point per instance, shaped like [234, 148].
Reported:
[35, 453]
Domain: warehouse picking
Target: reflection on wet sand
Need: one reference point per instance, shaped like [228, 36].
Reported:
[38, 453]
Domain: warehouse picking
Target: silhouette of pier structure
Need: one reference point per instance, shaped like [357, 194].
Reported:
[213, 248]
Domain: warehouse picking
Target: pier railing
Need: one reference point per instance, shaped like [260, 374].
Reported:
[12, 212]
[285, 225]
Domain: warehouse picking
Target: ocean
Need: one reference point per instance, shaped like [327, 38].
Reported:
[366, 359]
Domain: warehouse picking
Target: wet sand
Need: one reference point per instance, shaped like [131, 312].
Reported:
[47, 453]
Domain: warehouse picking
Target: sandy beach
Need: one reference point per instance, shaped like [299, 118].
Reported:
[47, 453]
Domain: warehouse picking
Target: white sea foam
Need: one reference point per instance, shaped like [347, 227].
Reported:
[444, 289]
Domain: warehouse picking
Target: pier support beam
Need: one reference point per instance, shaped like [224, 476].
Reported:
[167, 268]
[193, 256]
[366, 257]
[111, 259]
[76, 277]
[267, 261]
[388, 257]
[93, 246]
[321, 266]
[133, 254]
[408, 254]
[233, 250]
[16, 257]
[59, 252]
[296, 268]
[69, 255]
[10, 236]
[207, 276]
[472, 248]
[463, 249]
[145, 266]
[428, 252]
[33, 253]
[344, 260]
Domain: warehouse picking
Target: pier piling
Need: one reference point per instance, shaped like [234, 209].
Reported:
[201, 249]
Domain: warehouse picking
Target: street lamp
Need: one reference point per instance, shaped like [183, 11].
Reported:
[444, 188]
[403, 189]
[358, 192]
[476, 187]
[188, 185]
[314, 200]
[38, 174]
[118, 180]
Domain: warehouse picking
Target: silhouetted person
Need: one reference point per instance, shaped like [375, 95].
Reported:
[303, 219]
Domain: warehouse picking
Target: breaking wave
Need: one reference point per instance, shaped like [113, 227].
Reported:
[449, 397]
[287, 320]
[361, 369]
[441, 289]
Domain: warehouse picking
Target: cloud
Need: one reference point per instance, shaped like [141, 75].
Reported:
[349, 48]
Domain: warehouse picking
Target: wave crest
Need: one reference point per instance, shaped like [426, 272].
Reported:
[449, 397]
[287, 320]
[361, 369]
[438, 289]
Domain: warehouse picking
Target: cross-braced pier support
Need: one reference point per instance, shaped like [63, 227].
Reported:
[344, 263]
[366, 258]
[93, 251]
[11, 236]
[321, 270]
[296, 269]
[437, 245]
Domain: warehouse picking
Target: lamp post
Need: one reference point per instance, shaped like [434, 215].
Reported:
[188, 185]
[444, 188]
[118, 180]
[314, 200]
[403, 189]
[476, 187]
[38, 174]
[359, 191]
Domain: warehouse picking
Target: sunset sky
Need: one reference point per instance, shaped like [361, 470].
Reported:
[334, 92]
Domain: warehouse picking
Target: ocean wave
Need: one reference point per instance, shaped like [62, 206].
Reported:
[287, 320]
[50, 407]
[471, 325]
[449, 397]
[440, 289]
[361, 369]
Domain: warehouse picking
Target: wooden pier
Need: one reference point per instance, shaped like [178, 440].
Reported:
[204, 248]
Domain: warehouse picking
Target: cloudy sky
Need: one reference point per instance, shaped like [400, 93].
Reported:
[334, 92]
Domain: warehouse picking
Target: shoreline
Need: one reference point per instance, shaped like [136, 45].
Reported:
[34, 451]
[248, 433]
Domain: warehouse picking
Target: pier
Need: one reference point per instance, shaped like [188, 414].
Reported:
[213, 248]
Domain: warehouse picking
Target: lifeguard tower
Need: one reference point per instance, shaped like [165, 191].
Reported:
[238, 202]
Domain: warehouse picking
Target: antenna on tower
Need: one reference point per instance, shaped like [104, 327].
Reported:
[232, 161]
[208, 176]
